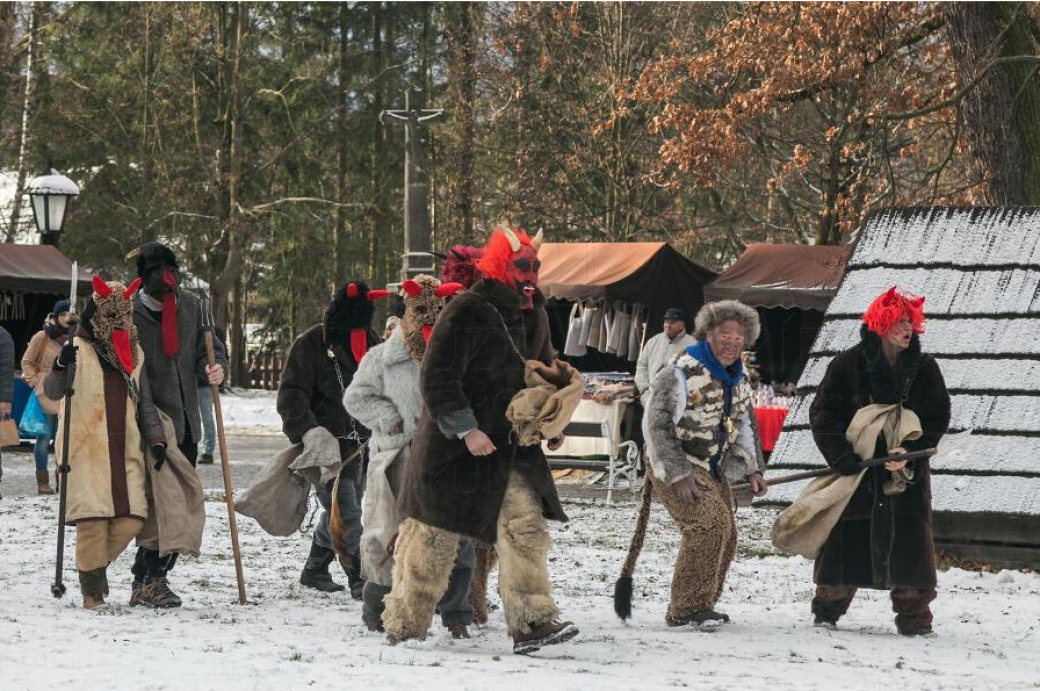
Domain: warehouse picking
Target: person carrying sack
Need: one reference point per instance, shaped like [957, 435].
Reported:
[865, 407]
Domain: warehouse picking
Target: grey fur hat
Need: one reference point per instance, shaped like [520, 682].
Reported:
[713, 314]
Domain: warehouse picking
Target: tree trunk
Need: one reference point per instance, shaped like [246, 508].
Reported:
[379, 231]
[1002, 111]
[231, 247]
[28, 113]
[340, 241]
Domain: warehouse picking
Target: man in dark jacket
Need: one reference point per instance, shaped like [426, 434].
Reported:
[6, 380]
[884, 537]
[320, 365]
[465, 475]
[170, 326]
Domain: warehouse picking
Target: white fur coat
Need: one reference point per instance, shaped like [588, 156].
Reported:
[384, 397]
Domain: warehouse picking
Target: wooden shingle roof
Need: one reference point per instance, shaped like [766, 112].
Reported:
[979, 270]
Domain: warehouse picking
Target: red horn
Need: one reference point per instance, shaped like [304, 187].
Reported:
[446, 289]
[411, 287]
[100, 287]
[132, 288]
[374, 295]
[352, 290]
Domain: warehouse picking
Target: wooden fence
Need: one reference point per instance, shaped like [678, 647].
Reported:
[265, 371]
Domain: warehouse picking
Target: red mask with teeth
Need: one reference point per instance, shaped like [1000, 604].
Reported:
[423, 301]
[112, 322]
[522, 275]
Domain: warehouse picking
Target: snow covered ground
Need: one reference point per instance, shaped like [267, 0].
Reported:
[288, 638]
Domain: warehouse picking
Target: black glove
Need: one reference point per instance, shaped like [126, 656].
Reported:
[67, 356]
[849, 464]
[159, 451]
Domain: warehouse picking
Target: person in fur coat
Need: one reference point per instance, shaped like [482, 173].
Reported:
[884, 538]
[696, 417]
[465, 475]
[113, 421]
[318, 369]
[384, 396]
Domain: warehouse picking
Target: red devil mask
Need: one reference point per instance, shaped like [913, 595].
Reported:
[890, 307]
[512, 258]
[112, 322]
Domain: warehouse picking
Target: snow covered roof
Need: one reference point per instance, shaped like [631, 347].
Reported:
[979, 270]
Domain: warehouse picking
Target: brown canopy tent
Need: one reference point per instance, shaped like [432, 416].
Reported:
[791, 285]
[32, 279]
[653, 274]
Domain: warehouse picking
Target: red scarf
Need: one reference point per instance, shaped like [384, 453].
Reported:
[170, 341]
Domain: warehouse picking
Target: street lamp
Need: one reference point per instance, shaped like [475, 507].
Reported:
[50, 196]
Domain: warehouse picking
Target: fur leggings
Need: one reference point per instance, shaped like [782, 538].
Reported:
[425, 556]
[708, 543]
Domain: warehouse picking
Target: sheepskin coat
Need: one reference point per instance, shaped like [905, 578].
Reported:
[880, 541]
[107, 436]
[683, 418]
[470, 373]
[384, 396]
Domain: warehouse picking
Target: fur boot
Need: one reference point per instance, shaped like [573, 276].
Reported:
[523, 545]
[422, 567]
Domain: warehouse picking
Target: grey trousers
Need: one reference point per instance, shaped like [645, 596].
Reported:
[454, 607]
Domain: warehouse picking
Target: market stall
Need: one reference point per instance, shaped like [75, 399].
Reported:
[605, 299]
[32, 279]
[791, 287]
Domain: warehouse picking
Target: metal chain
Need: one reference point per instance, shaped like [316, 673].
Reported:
[502, 321]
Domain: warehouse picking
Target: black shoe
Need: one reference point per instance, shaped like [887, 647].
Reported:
[206, 459]
[547, 633]
[705, 618]
[157, 594]
[821, 623]
[919, 631]
[316, 571]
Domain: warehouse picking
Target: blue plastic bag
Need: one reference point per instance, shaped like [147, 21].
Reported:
[34, 421]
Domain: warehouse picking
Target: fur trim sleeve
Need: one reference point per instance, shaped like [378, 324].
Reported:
[935, 413]
[365, 398]
[669, 462]
[833, 408]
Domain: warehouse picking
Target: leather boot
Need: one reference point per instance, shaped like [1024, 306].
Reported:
[316, 570]
[92, 586]
[354, 580]
[43, 485]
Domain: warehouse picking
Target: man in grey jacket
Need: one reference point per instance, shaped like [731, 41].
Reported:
[662, 348]
[6, 379]
[170, 328]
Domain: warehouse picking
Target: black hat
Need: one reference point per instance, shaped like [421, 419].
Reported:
[60, 307]
[675, 314]
[152, 255]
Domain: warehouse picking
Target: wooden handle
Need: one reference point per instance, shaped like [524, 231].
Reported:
[229, 491]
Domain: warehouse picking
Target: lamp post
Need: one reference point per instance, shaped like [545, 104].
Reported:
[50, 197]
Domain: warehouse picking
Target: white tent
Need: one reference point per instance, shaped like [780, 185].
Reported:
[979, 270]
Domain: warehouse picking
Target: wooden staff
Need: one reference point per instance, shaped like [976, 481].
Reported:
[229, 492]
[794, 477]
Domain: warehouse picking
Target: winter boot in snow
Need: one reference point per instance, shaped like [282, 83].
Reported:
[92, 586]
[705, 619]
[157, 593]
[354, 580]
[547, 633]
[43, 484]
[137, 593]
[316, 570]
[458, 631]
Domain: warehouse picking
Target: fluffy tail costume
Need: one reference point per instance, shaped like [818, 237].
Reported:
[623, 587]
